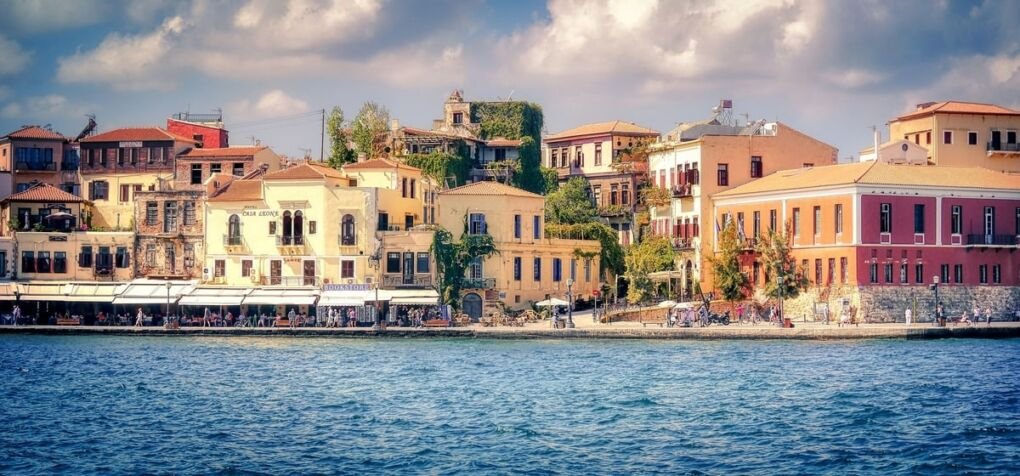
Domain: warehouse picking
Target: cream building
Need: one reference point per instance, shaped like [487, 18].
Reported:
[963, 134]
[529, 266]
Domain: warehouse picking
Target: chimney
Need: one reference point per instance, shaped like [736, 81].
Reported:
[924, 105]
[362, 157]
[394, 125]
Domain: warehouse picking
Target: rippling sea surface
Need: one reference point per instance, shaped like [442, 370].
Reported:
[207, 405]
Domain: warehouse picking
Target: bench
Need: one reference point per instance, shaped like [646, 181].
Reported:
[68, 322]
[437, 323]
[653, 322]
[282, 323]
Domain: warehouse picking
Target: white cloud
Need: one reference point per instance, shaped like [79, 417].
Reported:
[994, 79]
[14, 57]
[11, 111]
[127, 62]
[302, 24]
[854, 78]
[49, 107]
[275, 103]
[53, 15]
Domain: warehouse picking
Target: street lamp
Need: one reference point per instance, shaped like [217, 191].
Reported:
[17, 304]
[782, 293]
[166, 318]
[935, 287]
[570, 304]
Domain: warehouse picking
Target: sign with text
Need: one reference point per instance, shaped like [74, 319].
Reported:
[348, 287]
[124, 145]
[260, 213]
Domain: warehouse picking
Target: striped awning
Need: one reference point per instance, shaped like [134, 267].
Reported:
[92, 292]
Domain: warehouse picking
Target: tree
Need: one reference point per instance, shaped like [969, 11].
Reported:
[441, 165]
[453, 258]
[650, 256]
[570, 204]
[611, 256]
[774, 253]
[340, 151]
[368, 128]
[552, 180]
[730, 280]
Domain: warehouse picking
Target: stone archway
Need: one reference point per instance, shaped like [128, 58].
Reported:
[471, 304]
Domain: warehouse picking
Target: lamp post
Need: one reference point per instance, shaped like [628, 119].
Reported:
[17, 304]
[570, 304]
[935, 287]
[373, 262]
[166, 318]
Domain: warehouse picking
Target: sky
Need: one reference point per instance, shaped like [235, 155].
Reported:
[832, 69]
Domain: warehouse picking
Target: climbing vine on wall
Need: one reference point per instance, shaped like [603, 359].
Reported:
[516, 120]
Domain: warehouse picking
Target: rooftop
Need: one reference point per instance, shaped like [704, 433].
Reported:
[239, 191]
[34, 132]
[490, 189]
[958, 107]
[597, 128]
[378, 164]
[44, 192]
[136, 134]
[243, 151]
[877, 173]
[503, 142]
[305, 171]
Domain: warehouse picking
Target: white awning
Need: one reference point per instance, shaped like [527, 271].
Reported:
[44, 291]
[217, 296]
[92, 292]
[285, 296]
[347, 297]
[422, 301]
[7, 291]
[409, 296]
[151, 291]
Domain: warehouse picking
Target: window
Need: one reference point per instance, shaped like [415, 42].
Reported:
[927, 137]
[613, 193]
[756, 224]
[347, 269]
[557, 269]
[596, 194]
[234, 230]
[99, 190]
[587, 270]
[832, 271]
[189, 213]
[873, 269]
[989, 221]
[573, 269]
[85, 257]
[196, 174]
[123, 258]
[579, 157]
[624, 193]
[772, 219]
[598, 154]
[695, 176]
[219, 268]
[807, 165]
[982, 272]
[796, 221]
[27, 261]
[947, 137]
[517, 268]
[246, 268]
[563, 157]
[59, 262]
[919, 273]
[238, 169]
[536, 227]
[43, 264]
[723, 175]
[423, 263]
[347, 235]
[150, 254]
[125, 194]
[517, 226]
[384, 221]
[944, 274]
[475, 268]
[414, 186]
[1017, 226]
[311, 227]
[818, 221]
[538, 269]
[956, 223]
[972, 138]
[476, 224]
[843, 271]
[818, 272]
[272, 228]
[554, 158]
[392, 262]
[918, 218]
[996, 274]
[885, 218]
[958, 273]
[169, 217]
[189, 255]
[403, 187]
[756, 168]
[888, 272]
[839, 218]
[904, 279]
[215, 168]
[151, 213]
[1011, 137]
[458, 118]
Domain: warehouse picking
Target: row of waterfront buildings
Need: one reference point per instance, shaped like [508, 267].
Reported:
[939, 199]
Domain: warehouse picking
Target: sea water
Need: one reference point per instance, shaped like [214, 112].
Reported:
[235, 405]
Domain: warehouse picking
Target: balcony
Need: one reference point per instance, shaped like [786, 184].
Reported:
[234, 244]
[992, 240]
[103, 273]
[291, 281]
[398, 281]
[478, 283]
[749, 244]
[614, 210]
[680, 244]
[290, 240]
[35, 165]
[683, 191]
[1000, 147]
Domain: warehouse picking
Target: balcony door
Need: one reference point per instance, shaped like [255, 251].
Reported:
[275, 272]
[308, 272]
[996, 140]
[989, 224]
[408, 268]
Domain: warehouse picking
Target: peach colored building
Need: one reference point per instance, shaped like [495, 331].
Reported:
[37, 155]
[963, 134]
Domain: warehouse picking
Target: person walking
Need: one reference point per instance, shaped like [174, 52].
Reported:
[988, 316]
[940, 316]
[907, 315]
[205, 318]
[740, 313]
[140, 319]
[16, 313]
[291, 316]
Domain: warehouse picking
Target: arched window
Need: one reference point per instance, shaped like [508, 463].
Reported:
[288, 229]
[234, 230]
[299, 233]
[347, 236]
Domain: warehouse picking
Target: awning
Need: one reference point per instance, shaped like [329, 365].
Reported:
[284, 296]
[200, 296]
[347, 297]
[151, 291]
[43, 291]
[409, 296]
[7, 291]
[92, 292]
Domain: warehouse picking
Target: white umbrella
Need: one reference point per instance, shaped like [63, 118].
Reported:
[667, 304]
[551, 302]
[683, 305]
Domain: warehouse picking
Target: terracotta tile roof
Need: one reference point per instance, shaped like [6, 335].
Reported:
[490, 189]
[305, 171]
[959, 107]
[611, 127]
[134, 134]
[877, 173]
[503, 142]
[44, 192]
[34, 132]
[239, 191]
[378, 164]
[246, 151]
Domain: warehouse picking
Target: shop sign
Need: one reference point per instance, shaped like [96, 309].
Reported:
[124, 145]
[348, 287]
[58, 238]
[260, 213]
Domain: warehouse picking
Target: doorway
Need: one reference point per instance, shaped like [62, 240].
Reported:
[308, 273]
[472, 305]
[408, 268]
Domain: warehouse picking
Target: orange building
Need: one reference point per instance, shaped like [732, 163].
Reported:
[963, 134]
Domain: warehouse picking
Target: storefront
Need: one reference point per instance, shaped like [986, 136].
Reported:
[405, 305]
[152, 295]
[86, 301]
[347, 302]
[280, 301]
[219, 301]
[42, 300]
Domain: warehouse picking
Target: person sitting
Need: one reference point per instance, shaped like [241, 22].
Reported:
[964, 319]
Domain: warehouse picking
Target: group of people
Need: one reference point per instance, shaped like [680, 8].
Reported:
[340, 318]
[415, 316]
[969, 319]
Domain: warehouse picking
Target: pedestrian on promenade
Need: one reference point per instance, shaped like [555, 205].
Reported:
[140, 319]
[940, 316]
[988, 316]
[16, 313]
[205, 318]
[740, 313]
[291, 316]
[976, 316]
[907, 315]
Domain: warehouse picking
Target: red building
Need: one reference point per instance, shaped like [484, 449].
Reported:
[205, 129]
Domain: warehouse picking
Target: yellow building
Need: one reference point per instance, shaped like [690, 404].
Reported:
[963, 134]
[529, 266]
[406, 197]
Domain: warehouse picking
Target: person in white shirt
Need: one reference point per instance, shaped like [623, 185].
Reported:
[907, 315]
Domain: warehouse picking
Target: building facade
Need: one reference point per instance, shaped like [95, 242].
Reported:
[205, 129]
[529, 266]
[716, 159]
[36, 155]
[876, 235]
[963, 134]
